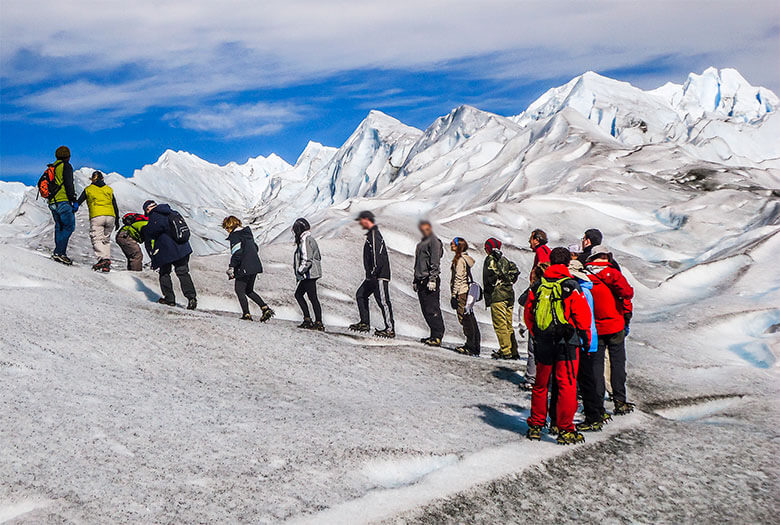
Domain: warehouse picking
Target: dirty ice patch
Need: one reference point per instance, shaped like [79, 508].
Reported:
[392, 473]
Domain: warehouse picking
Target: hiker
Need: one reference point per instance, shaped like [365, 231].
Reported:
[613, 308]
[538, 243]
[591, 367]
[376, 263]
[558, 318]
[498, 276]
[307, 264]
[103, 219]
[464, 296]
[534, 279]
[130, 237]
[167, 253]
[63, 204]
[244, 266]
[591, 238]
[427, 282]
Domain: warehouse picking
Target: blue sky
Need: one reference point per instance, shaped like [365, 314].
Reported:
[121, 83]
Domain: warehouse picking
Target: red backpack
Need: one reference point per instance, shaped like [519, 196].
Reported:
[132, 218]
[47, 188]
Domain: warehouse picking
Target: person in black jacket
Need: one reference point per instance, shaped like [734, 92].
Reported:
[244, 266]
[168, 255]
[427, 281]
[377, 282]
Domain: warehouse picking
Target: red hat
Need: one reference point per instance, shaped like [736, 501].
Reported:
[492, 244]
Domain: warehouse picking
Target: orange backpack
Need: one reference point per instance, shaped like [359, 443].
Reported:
[47, 188]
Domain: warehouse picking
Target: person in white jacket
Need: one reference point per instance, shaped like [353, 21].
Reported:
[307, 264]
[465, 292]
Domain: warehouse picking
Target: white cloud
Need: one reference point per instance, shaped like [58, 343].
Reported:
[239, 120]
[148, 53]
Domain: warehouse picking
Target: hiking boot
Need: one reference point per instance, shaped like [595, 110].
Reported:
[360, 327]
[623, 407]
[166, 302]
[605, 418]
[318, 326]
[192, 304]
[306, 324]
[590, 426]
[62, 259]
[554, 430]
[387, 333]
[568, 437]
[501, 355]
[424, 340]
[534, 433]
[267, 314]
[246, 317]
[433, 341]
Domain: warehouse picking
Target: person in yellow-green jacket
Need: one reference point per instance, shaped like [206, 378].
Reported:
[103, 219]
[63, 205]
[130, 237]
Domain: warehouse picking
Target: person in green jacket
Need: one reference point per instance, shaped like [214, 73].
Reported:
[498, 276]
[130, 238]
[103, 219]
[63, 205]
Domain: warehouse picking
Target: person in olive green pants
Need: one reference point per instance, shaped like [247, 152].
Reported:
[498, 276]
[103, 219]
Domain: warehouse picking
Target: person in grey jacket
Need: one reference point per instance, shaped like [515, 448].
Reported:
[427, 281]
[307, 264]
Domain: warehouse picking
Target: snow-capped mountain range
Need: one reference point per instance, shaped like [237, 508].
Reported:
[592, 134]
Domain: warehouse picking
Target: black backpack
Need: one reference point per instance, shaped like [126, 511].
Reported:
[177, 228]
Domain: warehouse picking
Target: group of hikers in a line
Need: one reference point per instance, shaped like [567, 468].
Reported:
[577, 307]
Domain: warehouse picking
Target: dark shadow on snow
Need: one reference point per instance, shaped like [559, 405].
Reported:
[501, 420]
[505, 373]
[150, 294]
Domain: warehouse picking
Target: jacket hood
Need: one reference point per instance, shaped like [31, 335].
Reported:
[162, 209]
[468, 258]
[557, 271]
[245, 232]
[99, 183]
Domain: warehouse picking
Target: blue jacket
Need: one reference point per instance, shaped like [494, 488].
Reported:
[586, 287]
[160, 246]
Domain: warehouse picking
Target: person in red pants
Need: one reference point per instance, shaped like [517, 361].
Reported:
[558, 319]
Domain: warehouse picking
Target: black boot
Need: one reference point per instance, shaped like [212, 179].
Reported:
[306, 324]
[360, 327]
[267, 314]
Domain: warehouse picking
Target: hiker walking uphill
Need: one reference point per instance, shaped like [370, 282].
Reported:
[498, 277]
[130, 237]
[465, 294]
[103, 219]
[558, 318]
[613, 309]
[376, 263]
[427, 282]
[244, 266]
[166, 238]
[56, 186]
[307, 264]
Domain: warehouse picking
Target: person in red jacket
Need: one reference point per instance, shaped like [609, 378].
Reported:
[557, 349]
[613, 310]
[538, 242]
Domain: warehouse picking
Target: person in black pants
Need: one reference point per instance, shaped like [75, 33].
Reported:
[427, 282]
[244, 266]
[307, 264]
[376, 263]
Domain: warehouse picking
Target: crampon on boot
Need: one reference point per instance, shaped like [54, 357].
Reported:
[590, 426]
[267, 314]
[623, 407]
[387, 333]
[306, 324]
[360, 327]
[554, 430]
[318, 327]
[534, 433]
[433, 341]
[605, 418]
[570, 438]
[246, 317]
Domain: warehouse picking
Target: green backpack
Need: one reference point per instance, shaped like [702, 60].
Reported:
[549, 316]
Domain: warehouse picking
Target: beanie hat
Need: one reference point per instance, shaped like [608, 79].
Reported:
[148, 205]
[62, 153]
[594, 236]
[492, 244]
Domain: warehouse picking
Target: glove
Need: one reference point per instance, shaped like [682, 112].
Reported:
[431, 286]
[454, 302]
[231, 273]
[414, 286]
[627, 317]
[75, 206]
